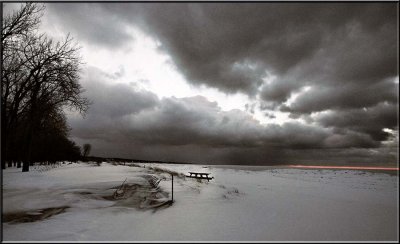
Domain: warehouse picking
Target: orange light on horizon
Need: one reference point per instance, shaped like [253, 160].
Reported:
[343, 167]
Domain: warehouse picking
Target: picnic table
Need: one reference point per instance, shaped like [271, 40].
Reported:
[200, 175]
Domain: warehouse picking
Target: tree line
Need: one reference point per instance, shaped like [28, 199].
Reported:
[40, 79]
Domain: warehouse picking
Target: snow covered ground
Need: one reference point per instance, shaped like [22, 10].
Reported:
[239, 204]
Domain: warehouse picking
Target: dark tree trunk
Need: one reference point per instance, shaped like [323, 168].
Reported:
[30, 130]
[25, 166]
[26, 159]
[3, 142]
[2, 115]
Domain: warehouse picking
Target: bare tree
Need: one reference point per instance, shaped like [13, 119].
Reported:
[39, 75]
[22, 22]
[86, 149]
[15, 26]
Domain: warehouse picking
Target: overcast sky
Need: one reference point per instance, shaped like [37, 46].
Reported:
[236, 83]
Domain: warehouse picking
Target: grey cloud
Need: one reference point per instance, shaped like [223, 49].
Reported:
[111, 101]
[233, 46]
[278, 92]
[139, 116]
[341, 39]
[364, 108]
[250, 107]
[292, 135]
[90, 23]
[214, 38]
[371, 120]
[230, 46]
[346, 96]
[115, 100]
[346, 53]
[349, 139]
[192, 120]
[127, 122]
[351, 67]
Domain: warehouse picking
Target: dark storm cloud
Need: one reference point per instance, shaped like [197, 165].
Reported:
[278, 91]
[111, 101]
[368, 120]
[117, 100]
[131, 122]
[233, 46]
[123, 113]
[346, 96]
[345, 53]
[141, 116]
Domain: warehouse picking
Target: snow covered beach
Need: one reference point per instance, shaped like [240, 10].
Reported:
[239, 204]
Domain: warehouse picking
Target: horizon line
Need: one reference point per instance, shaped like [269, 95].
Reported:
[343, 167]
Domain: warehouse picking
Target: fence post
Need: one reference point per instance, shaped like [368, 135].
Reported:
[172, 187]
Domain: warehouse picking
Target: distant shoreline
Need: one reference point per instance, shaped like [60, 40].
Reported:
[375, 168]
[343, 167]
[387, 170]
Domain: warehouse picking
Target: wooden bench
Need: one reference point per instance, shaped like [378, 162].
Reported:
[199, 175]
